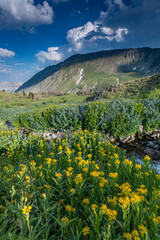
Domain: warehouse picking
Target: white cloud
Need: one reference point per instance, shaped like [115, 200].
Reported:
[90, 32]
[77, 35]
[69, 50]
[120, 33]
[52, 54]
[6, 53]
[24, 14]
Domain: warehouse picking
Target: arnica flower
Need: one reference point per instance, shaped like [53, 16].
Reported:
[68, 208]
[72, 190]
[78, 179]
[58, 175]
[85, 201]
[136, 198]
[113, 175]
[64, 220]
[94, 206]
[127, 236]
[156, 220]
[43, 195]
[135, 235]
[147, 158]
[127, 162]
[85, 170]
[85, 230]
[103, 209]
[33, 163]
[125, 189]
[48, 160]
[138, 167]
[68, 174]
[112, 201]
[117, 162]
[111, 214]
[142, 191]
[103, 182]
[94, 174]
[125, 202]
[142, 229]
[70, 169]
[26, 210]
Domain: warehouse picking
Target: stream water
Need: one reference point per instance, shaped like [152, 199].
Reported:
[139, 156]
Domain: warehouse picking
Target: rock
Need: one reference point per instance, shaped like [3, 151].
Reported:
[155, 135]
[46, 134]
[154, 154]
[140, 136]
[128, 139]
[54, 136]
[156, 146]
[150, 144]
[112, 139]
[141, 129]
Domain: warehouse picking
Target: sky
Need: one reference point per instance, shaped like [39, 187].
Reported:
[38, 33]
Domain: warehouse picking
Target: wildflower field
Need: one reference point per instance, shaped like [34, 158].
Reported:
[79, 187]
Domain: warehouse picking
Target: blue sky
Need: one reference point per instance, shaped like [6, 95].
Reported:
[38, 33]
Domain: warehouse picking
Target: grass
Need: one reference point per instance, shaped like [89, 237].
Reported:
[10, 100]
[14, 103]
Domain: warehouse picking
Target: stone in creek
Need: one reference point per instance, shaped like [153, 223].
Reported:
[154, 154]
[127, 139]
[150, 144]
[155, 135]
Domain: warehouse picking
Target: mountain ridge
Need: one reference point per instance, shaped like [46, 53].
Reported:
[99, 69]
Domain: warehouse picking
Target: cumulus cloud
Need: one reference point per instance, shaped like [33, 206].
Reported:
[52, 54]
[141, 18]
[24, 14]
[6, 53]
[90, 32]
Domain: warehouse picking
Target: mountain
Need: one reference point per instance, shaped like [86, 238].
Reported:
[83, 72]
[9, 86]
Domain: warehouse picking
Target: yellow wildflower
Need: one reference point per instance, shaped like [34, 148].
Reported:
[85, 201]
[78, 179]
[85, 230]
[64, 220]
[94, 206]
[58, 175]
[142, 229]
[72, 190]
[113, 175]
[26, 210]
[68, 208]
